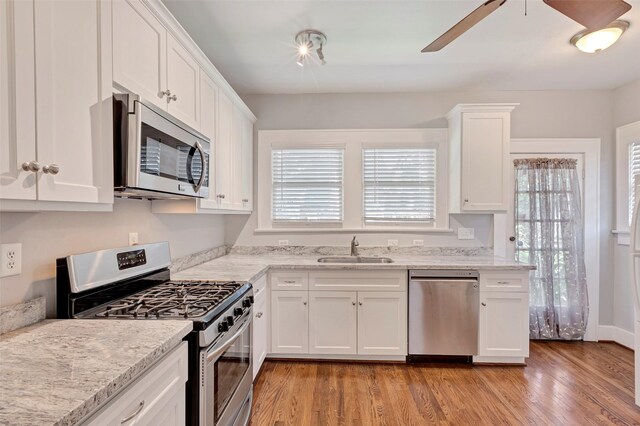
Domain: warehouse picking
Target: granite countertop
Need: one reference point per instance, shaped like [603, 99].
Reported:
[251, 267]
[57, 372]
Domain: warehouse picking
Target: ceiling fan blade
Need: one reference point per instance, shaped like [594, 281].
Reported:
[464, 25]
[593, 14]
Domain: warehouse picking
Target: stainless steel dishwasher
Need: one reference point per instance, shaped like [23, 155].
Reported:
[443, 315]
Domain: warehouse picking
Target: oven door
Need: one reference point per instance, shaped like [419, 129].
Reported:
[226, 376]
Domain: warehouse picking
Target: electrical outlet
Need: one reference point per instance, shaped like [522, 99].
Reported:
[418, 243]
[133, 238]
[466, 233]
[392, 243]
[283, 242]
[11, 260]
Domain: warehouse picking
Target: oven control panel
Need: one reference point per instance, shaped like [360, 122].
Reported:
[131, 259]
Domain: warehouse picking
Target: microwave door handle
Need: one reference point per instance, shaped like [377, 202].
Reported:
[204, 164]
[213, 355]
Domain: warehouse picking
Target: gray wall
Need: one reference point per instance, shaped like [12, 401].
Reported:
[48, 235]
[626, 109]
[556, 114]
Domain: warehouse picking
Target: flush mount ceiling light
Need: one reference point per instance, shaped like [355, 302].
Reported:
[307, 41]
[590, 41]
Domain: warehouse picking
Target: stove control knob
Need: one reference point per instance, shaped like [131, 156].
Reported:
[246, 303]
[238, 312]
[230, 320]
[223, 326]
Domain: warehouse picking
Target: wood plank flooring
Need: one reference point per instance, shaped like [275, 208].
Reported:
[563, 384]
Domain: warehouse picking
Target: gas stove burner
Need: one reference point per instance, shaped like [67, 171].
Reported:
[171, 299]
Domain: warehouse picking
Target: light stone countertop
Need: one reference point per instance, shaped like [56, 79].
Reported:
[57, 372]
[251, 267]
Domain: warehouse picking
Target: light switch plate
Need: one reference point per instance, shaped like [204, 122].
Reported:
[466, 233]
[11, 260]
[133, 238]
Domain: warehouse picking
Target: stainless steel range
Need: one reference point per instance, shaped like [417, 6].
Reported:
[134, 283]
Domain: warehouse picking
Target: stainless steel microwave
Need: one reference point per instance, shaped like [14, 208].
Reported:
[156, 156]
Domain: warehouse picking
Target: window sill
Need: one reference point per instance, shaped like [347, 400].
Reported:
[367, 230]
[624, 238]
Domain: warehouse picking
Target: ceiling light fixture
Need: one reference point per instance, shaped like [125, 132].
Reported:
[590, 41]
[307, 41]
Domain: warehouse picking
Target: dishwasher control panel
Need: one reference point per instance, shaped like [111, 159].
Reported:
[437, 273]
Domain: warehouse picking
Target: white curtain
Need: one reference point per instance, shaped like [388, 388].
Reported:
[549, 234]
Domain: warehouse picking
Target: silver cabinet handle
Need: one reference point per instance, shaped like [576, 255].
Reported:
[466, 200]
[221, 196]
[172, 98]
[289, 281]
[165, 92]
[245, 200]
[483, 304]
[503, 282]
[53, 169]
[135, 413]
[31, 166]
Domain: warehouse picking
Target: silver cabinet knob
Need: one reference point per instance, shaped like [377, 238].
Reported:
[31, 166]
[172, 98]
[360, 303]
[221, 196]
[165, 92]
[483, 304]
[353, 303]
[304, 303]
[245, 200]
[53, 169]
[259, 315]
[466, 200]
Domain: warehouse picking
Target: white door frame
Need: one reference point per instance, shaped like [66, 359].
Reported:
[590, 148]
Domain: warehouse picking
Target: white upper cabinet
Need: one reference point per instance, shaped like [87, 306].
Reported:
[139, 51]
[224, 152]
[183, 82]
[17, 100]
[479, 138]
[70, 111]
[246, 185]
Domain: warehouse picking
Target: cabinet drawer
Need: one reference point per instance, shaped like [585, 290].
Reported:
[289, 280]
[162, 387]
[372, 280]
[504, 282]
[259, 286]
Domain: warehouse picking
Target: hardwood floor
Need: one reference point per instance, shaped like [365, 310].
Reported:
[563, 384]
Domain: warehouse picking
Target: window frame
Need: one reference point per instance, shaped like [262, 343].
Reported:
[625, 136]
[352, 141]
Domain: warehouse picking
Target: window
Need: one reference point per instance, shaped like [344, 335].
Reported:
[307, 185]
[399, 185]
[634, 175]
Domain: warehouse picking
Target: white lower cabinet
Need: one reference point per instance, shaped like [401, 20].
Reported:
[156, 398]
[504, 324]
[290, 322]
[333, 326]
[382, 323]
[260, 322]
[346, 320]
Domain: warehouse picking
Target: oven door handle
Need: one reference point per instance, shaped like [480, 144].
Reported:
[213, 355]
[204, 164]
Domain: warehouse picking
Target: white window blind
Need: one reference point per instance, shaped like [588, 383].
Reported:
[307, 185]
[399, 185]
[634, 175]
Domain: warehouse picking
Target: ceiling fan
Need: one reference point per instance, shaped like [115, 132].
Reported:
[593, 14]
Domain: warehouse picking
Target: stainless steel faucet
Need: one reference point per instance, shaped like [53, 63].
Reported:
[354, 246]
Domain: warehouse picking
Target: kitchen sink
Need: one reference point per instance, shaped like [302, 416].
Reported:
[355, 259]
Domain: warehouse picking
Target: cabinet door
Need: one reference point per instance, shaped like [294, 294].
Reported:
[73, 100]
[247, 164]
[208, 106]
[17, 100]
[139, 51]
[332, 322]
[224, 166]
[382, 323]
[504, 324]
[183, 80]
[289, 322]
[259, 332]
[236, 159]
[485, 156]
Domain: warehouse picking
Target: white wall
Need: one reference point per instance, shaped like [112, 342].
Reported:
[49, 235]
[570, 114]
[626, 109]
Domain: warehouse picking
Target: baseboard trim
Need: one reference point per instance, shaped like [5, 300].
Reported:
[616, 334]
